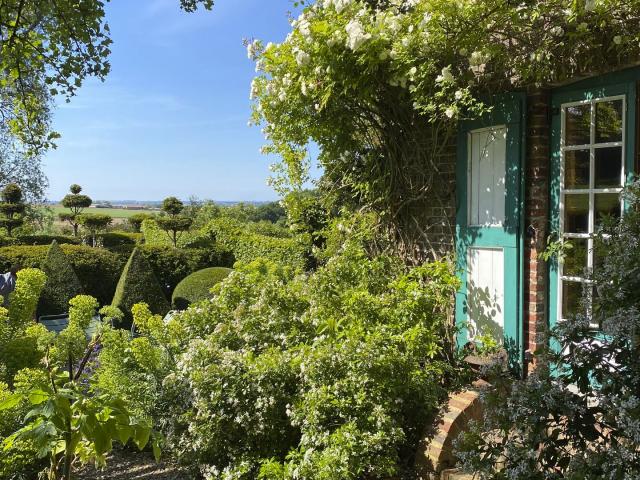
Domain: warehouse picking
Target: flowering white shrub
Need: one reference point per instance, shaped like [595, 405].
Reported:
[330, 375]
[384, 83]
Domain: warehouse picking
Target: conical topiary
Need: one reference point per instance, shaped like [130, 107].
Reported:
[138, 284]
[62, 282]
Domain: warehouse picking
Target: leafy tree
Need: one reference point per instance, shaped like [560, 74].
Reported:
[94, 223]
[174, 223]
[48, 48]
[62, 282]
[12, 208]
[135, 221]
[76, 202]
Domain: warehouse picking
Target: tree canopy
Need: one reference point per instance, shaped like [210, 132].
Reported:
[48, 48]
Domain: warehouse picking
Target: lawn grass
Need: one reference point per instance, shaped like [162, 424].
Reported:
[114, 212]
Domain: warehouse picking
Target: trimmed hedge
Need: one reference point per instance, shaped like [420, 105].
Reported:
[62, 283]
[170, 265]
[120, 239]
[99, 269]
[247, 246]
[196, 287]
[138, 284]
[156, 237]
[46, 240]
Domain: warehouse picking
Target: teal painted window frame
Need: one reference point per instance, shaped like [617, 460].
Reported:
[610, 85]
[508, 110]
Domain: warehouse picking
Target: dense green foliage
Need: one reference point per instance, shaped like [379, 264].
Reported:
[138, 284]
[94, 223]
[197, 286]
[76, 203]
[577, 415]
[12, 208]
[62, 282]
[331, 374]
[42, 239]
[66, 423]
[135, 221]
[247, 245]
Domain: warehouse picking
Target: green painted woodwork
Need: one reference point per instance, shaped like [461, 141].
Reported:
[623, 82]
[508, 110]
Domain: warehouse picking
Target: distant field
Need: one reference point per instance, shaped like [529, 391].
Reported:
[114, 212]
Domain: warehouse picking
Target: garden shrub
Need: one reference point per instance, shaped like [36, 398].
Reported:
[327, 375]
[577, 415]
[62, 282]
[138, 284]
[46, 240]
[196, 287]
[247, 246]
[120, 239]
[155, 236]
[17, 336]
[171, 265]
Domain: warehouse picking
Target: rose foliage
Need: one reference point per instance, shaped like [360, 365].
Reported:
[379, 86]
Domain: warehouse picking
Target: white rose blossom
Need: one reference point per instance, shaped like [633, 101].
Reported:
[356, 35]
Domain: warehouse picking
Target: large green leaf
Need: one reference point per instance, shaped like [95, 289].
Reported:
[10, 402]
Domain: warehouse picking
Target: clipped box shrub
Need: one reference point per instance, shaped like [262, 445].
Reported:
[170, 265]
[196, 287]
[62, 282]
[120, 239]
[138, 284]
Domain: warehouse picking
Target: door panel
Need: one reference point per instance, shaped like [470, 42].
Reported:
[489, 222]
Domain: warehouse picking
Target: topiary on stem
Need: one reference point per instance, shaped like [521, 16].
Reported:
[94, 223]
[75, 202]
[174, 223]
[12, 208]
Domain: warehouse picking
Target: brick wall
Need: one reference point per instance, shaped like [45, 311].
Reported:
[536, 217]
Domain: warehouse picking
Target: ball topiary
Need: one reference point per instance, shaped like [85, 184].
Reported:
[196, 286]
[62, 282]
[138, 284]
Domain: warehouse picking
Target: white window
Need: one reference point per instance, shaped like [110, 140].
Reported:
[485, 291]
[591, 180]
[487, 174]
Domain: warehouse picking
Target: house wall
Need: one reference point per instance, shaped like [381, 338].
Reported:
[536, 211]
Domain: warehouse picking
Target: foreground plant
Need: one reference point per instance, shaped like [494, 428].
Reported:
[68, 424]
[578, 414]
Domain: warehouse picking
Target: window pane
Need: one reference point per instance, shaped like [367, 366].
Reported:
[608, 168]
[576, 213]
[609, 121]
[606, 205]
[578, 125]
[576, 169]
[575, 260]
[571, 298]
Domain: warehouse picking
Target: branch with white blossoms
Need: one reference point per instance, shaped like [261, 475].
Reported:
[363, 76]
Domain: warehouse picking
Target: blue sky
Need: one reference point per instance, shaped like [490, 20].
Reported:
[171, 118]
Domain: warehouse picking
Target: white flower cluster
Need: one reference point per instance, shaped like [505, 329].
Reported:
[356, 35]
[339, 5]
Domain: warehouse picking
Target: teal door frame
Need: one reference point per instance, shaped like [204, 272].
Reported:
[508, 110]
[614, 84]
